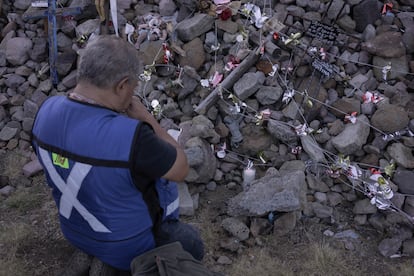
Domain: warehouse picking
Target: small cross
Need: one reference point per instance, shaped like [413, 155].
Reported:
[51, 14]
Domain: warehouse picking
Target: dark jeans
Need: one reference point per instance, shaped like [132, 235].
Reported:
[189, 237]
[170, 231]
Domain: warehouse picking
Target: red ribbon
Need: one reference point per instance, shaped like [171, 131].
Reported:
[167, 53]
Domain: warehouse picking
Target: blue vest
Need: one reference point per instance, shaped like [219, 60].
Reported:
[86, 152]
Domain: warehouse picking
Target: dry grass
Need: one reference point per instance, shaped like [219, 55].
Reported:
[322, 259]
[259, 262]
[316, 258]
[31, 242]
[11, 237]
[11, 163]
[403, 269]
[25, 200]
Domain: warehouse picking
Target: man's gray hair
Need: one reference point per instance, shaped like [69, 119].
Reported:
[107, 60]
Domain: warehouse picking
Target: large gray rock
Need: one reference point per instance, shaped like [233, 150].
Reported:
[5, 40]
[88, 27]
[167, 7]
[64, 42]
[269, 94]
[195, 54]
[335, 9]
[270, 193]
[228, 26]
[17, 50]
[364, 206]
[400, 62]
[66, 61]
[408, 35]
[311, 147]
[149, 52]
[387, 45]
[369, 32]
[296, 11]
[39, 49]
[390, 246]
[202, 127]
[22, 4]
[32, 168]
[195, 26]
[7, 133]
[346, 105]
[236, 227]
[30, 109]
[195, 156]
[284, 224]
[292, 110]
[315, 91]
[17, 100]
[390, 118]
[358, 80]
[316, 184]
[402, 155]
[334, 198]
[353, 137]
[404, 180]
[366, 13]
[255, 140]
[408, 207]
[346, 23]
[292, 166]
[205, 167]
[13, 81]
[408, 247]
[190, 82]
[282, 132]
[321, 211]
[70, 80]
[248, 84]
[186, 204]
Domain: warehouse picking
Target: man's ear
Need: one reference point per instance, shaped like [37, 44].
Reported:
[122, 85]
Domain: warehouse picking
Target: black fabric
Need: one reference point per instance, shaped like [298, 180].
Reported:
[174, 230]
[169, 260]
[149, 150]
[81, 158]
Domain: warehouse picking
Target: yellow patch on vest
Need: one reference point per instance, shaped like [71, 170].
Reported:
[60, 161]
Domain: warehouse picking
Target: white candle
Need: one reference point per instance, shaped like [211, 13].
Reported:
[249, 175]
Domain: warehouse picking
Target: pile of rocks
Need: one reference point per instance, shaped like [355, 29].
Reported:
[225, 81]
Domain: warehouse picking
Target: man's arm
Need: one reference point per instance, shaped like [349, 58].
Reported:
[180, 168]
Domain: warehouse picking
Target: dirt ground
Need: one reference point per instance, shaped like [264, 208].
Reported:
[32, 244]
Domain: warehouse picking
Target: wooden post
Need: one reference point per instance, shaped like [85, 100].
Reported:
[228, 82]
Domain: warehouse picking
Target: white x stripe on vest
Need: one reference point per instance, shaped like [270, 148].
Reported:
[70, 189]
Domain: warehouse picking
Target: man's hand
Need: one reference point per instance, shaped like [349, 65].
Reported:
[138, 111]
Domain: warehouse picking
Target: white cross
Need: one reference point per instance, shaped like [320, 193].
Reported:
[70, 190]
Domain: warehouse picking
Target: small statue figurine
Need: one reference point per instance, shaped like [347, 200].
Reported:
[152, 28]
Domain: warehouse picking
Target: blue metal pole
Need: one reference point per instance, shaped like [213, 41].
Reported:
[52, 33]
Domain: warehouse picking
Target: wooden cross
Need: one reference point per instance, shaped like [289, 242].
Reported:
[50, 14]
